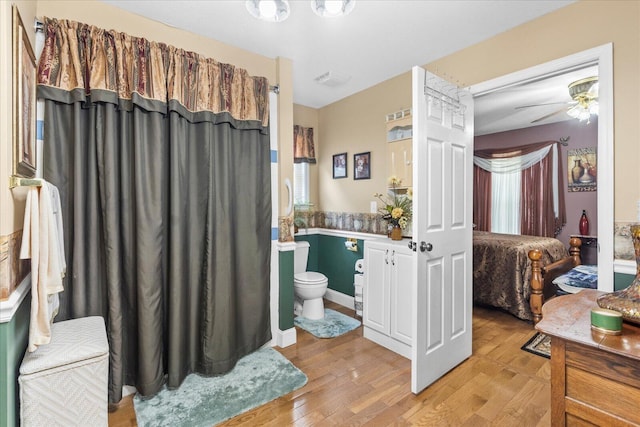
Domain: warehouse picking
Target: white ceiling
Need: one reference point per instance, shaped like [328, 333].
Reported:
[378, 40]
[498, 112]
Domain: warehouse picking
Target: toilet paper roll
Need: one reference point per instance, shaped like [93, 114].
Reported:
[358, 280]
[359, 265]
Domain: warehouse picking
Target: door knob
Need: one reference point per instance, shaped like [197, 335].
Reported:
[424, 246]
[412, 246]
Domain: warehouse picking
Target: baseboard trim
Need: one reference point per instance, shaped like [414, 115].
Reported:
[340, 298]
[286, 338]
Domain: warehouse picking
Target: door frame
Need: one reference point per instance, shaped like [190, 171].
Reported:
[603, 57]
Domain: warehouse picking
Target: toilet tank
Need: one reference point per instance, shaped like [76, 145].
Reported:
[300, 256]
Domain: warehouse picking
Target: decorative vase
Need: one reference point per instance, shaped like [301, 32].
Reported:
[583, 226]
[627, 301]
[586, 178]
[396, 233]
[576, 171]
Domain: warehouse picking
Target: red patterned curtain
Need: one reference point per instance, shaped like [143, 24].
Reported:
[303, 148]
[85, 60]
[537, 215]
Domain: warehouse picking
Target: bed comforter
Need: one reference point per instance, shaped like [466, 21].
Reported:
[502, 270]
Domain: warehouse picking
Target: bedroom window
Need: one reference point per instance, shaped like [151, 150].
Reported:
[518, 190]
[505, 202]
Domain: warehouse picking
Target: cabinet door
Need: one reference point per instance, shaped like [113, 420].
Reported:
[375, 306]
[400, 288]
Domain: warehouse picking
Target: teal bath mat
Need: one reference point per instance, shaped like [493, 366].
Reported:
[257, 378]
[333, 325]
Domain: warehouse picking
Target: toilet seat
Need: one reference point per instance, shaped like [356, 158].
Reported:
[309, 278]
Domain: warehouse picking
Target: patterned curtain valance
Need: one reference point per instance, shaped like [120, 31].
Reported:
[303, 148]
[86, 62]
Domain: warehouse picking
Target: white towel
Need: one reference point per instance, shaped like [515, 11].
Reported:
[42, 241]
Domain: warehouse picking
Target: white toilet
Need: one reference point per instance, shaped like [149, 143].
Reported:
[308, 286]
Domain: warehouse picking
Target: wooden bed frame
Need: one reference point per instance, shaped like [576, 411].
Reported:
[546, 274]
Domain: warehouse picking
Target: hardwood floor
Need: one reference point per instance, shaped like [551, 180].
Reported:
[353, 381]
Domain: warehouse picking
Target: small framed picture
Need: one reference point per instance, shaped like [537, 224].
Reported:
[340, 165]
[361, 165]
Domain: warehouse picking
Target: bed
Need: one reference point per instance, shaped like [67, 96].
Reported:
[544, 273]
[502, 271]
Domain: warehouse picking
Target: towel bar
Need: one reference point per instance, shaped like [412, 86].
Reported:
[19, 181]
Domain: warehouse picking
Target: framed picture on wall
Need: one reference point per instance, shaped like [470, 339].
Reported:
[340, 165]
[582, 171]
[362, 165]
[24, 100]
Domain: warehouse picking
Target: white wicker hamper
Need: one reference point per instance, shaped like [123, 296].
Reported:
[64, 383]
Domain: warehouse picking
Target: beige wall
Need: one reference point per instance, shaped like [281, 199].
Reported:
[285, 131]
[358, 121]
[355, 125]
[308, 117]
[11, 205]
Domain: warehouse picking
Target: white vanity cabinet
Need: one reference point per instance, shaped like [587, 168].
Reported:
[388, 269]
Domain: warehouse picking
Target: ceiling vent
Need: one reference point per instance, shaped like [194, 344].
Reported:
[332, 79]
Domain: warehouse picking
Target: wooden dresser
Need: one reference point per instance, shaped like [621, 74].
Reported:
[595, 378]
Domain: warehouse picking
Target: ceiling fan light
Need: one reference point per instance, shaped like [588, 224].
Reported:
[268, 10]
[332, 8]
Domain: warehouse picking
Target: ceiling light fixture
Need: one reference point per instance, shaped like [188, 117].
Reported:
[332, 8]
[585, 93]
[269, 10]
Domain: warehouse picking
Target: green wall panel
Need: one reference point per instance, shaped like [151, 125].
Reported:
[285, 264]
[621, 280]
[328, 255]
[13, 343]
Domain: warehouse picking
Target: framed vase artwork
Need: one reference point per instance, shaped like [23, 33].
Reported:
[340, 165]
[362, 165]
[582, 169]
[24, 100]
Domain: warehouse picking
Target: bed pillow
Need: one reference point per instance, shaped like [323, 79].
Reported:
[578, 278]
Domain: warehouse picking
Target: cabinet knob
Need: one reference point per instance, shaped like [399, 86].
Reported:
[424, 246]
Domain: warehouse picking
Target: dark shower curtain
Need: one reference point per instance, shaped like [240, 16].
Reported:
[167, 217]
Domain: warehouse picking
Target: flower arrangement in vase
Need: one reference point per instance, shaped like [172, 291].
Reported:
[396, 208]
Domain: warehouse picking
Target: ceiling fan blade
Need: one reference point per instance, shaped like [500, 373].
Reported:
[549, 115]
[550, 103]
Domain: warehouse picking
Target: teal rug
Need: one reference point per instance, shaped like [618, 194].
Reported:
[257, 378]
[333, 325]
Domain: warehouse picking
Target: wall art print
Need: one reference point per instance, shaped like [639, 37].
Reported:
[24, 101]
[361, 165]
[340, 165]
[582, 170]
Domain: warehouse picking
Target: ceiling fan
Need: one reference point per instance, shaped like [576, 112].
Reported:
[584, 103]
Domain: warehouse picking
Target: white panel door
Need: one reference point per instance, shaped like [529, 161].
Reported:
[401, 278]
[442, 227]
[375, 296]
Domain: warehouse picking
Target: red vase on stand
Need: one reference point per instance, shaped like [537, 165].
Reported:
[584, 224]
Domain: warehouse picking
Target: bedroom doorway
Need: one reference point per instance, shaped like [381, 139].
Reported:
[602, 58]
